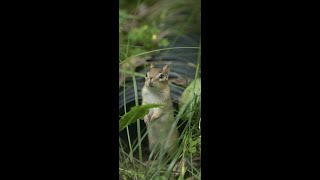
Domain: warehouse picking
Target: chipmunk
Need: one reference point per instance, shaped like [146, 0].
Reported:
[160, 121]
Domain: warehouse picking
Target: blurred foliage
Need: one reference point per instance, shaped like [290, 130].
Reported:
[145, 24]
[138, 36]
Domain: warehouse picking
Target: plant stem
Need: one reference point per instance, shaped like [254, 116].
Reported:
[125, 111]
[138, 120]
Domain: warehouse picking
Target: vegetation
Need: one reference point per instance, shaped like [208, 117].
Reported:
[150, 30]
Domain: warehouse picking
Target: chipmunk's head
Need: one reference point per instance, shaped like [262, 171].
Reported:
[157, 78]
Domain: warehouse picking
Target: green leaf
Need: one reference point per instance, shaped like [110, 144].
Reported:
[136, 112]
[191, 92]
[192, 143]
[192, 149]
[161, 178]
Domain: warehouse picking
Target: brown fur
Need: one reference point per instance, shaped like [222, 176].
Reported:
[159, 120]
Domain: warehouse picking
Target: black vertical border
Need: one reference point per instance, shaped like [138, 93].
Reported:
[64, 89]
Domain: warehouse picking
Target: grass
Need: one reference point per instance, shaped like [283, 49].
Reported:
[157, 50]
[190, 138]
[134, 157]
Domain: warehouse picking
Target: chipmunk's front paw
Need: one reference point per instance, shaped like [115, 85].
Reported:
[147, 119]
[154, 116]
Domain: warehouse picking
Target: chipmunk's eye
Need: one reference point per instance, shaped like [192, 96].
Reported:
[161, 76]
[147, 75]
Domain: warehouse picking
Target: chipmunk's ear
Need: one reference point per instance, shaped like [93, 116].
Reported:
[152, 65]
[166, 69]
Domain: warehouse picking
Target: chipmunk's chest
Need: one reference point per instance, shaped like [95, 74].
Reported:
[153, 98]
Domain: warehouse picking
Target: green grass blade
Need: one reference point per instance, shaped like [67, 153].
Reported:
[136, 112]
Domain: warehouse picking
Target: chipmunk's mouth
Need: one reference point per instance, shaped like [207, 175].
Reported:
[150, 84]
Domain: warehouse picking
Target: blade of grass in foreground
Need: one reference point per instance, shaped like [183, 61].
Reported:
[136, 112]
[138, 121]
[157, 50]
